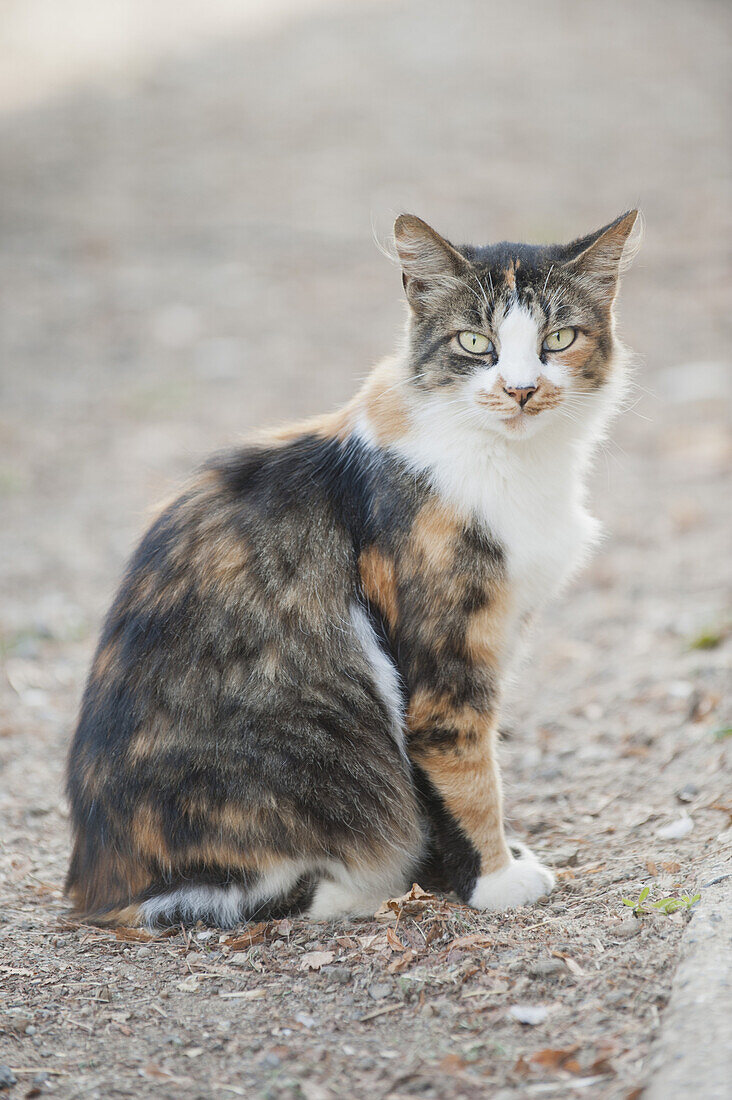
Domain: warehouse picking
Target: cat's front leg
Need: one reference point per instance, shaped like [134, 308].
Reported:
[522, 881]
[460, 786]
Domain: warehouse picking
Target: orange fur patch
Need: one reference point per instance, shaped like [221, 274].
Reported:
[378, 578]
[113, 879]
[470, 786]
[106, 662]
[147, 835]
[485, 633]
[433, 535]
[428, 709]
[384, 404]
[579, 354]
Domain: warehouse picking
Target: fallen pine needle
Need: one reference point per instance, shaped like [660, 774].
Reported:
[247, 994]
[380, 1012]
[40, 1069]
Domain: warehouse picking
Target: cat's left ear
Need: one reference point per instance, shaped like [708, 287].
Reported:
[599, 260]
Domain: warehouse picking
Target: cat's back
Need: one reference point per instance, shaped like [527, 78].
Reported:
[256, 555]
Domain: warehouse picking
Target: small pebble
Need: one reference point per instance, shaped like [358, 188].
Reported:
[530, 1015]
[379, 990]
[627, 928]
[546, 968]
[340, 974]
[676, 830]
[7, 1077]
[687, 793]
[617, 998]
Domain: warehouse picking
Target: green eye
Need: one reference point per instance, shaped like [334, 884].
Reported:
[559, 340]
[475, 342]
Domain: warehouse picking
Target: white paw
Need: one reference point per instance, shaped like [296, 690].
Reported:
[521, 883]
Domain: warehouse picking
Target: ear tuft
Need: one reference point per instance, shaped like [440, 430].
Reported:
[429, 262]
[601, 258]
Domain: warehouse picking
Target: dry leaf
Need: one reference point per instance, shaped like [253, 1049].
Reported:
[159, 1074]
[408, 904]
[401, 962]
[313, 960]
[255, 933]
[133, 935]
[651, 867]
[557, 1059]
[451, 1063]
[475, 939]
[394, 942]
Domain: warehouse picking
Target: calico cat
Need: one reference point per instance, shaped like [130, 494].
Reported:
[294, 702]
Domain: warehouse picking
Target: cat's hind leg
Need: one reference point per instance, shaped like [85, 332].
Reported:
[359, 891]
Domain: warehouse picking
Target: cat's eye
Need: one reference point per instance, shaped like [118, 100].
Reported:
[475, 342]
[559, 340]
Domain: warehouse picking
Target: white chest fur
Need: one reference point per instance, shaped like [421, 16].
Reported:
[528, 493]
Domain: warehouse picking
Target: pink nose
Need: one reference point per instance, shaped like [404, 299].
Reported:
[521, 394]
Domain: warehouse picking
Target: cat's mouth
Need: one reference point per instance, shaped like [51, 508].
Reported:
[521, 422]
[516, 419]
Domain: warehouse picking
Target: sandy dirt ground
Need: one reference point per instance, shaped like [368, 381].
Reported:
[188, 253]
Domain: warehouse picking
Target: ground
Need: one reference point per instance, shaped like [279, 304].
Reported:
[187, 253]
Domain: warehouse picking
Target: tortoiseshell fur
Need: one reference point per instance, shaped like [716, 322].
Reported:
[294, 702]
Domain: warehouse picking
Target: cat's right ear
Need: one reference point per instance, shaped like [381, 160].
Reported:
[430, 264]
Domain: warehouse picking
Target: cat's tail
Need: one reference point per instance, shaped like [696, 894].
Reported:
[220, 905]
[110, 889]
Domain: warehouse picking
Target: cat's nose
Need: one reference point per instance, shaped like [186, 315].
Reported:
[520, 393]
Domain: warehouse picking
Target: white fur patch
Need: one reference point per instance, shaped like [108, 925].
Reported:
[524, 881]
[224, 905]
[359, 893]
[518, 340]
[527, 493]
[385, 675]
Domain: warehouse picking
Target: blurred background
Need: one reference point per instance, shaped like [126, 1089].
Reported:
[190, 195]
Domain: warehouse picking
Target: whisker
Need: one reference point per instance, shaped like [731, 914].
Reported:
[543, 289]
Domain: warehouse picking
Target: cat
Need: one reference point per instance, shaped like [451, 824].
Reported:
[294, 702]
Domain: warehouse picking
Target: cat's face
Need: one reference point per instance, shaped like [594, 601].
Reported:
[512, 336]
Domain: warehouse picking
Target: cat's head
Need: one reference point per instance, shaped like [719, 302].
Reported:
[514, 336]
